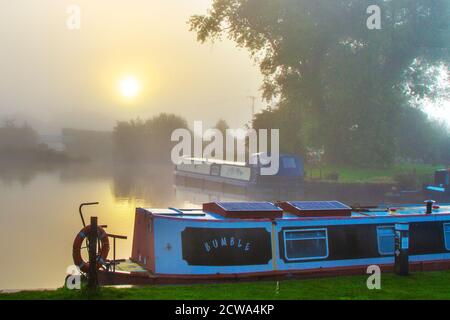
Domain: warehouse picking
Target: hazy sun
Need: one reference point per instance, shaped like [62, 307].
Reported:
[129, 87]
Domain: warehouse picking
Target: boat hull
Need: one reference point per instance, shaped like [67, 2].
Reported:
[261, 241]
[130, 278]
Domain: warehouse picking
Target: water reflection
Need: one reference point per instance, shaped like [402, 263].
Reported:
[150, 185]
[39, 217]
[198, 192]
[23, 174]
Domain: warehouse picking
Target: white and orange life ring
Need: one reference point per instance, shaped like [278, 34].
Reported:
[102, 254]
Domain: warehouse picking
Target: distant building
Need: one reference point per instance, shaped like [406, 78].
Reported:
[53, 141]
[88, 144]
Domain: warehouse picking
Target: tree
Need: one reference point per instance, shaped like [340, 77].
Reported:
[288, 122]
[347, 85]
[146, 141]
[13, 137]
[222, 126]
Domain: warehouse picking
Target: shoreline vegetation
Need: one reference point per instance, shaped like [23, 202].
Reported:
[407, 175]
[132, 142]
[20, 146]
[337, 90]
[36, 156]
[421, 285]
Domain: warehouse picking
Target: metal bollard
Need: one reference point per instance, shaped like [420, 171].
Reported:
[92, 275]
[401, 251]
[430, 204]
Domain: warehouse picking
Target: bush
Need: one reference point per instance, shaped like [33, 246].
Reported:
[333, 176]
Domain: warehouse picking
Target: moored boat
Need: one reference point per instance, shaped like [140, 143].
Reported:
[243, 174]
[263, 240]
[440, 189]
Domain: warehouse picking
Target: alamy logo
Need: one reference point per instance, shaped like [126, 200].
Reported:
[374, 20]
[73, 279]
[234, 145]
[374, 280]
[73, 21]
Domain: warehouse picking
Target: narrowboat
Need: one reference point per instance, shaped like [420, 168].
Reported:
[438, 190]
[441, 187]
[230, 241]
[242, 174]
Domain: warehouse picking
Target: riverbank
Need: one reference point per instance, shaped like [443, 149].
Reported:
[427, 285]
[420, 173]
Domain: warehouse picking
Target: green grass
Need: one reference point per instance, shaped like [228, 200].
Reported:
[427, 285]
[424, 172]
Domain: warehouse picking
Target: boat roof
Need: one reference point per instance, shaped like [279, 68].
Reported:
[250, 207]
[215, 161]
[234, 163]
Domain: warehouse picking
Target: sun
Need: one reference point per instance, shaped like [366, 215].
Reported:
[129, 87]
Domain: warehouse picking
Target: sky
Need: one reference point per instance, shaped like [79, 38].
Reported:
[55, 77]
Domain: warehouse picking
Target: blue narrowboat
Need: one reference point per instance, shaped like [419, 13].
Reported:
[243, 174]
[259, 240]
[441, 187]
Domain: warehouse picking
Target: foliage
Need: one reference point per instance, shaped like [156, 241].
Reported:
[144, 141]
[422, 138]
[19, 145]
[222, 126]
[410, 175]
[346, 86]
[18, 138]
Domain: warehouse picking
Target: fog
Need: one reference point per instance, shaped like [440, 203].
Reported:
[53, 77]
[87, 114]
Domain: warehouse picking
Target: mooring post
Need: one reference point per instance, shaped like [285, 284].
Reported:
[401, 251]
[429, 204]
[92, 276]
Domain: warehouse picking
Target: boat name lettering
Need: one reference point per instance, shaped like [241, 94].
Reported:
[230, 242]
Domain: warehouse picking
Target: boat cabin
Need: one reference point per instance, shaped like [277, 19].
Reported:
[441, 184]
[254, 238]
[247, 174]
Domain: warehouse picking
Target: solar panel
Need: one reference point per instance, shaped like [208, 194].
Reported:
[244, 210]
[248, 206]
[319, 205]
[316, 208]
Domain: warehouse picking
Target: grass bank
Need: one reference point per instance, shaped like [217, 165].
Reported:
[424, 173]
[429, 285]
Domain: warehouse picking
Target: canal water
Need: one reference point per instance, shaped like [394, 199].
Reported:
[39, 211]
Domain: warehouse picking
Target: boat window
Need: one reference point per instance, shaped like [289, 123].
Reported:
[289, 163]
[305, 244]
[386, 240]
[447, 235]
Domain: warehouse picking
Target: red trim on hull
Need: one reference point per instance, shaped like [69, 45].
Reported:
[142, 278]
[143, 250]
